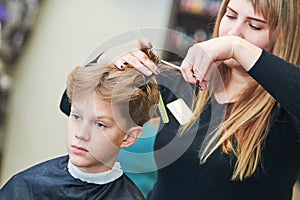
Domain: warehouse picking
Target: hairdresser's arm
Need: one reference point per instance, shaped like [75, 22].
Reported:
[130, 52]
[280, 78]
[203, 57]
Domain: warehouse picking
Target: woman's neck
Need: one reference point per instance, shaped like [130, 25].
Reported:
[239, 81]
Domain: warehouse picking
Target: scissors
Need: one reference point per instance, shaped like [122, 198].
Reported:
[178, 67]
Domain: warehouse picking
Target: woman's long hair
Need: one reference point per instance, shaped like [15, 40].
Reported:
[246, 122]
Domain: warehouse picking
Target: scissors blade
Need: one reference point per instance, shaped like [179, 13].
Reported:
[174, 66]
[170, 64]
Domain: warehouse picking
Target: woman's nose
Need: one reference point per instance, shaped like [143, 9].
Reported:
[237, 29]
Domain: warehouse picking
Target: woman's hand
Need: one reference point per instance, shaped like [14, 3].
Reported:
[203, 57]
[130, 52]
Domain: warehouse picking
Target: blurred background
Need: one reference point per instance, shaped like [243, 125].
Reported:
[61, 36]
[42, 40]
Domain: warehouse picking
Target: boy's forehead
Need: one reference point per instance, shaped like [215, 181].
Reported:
[90, 104]
[97, 107]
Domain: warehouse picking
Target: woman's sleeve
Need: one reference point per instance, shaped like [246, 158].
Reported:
[281, 79]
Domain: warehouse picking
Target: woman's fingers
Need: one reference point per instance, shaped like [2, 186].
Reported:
[197, 66]
[136, 62]
[117, 52]
[119, 63]
[142, 64]
[148, 65]
[186, 71]
[130, 52]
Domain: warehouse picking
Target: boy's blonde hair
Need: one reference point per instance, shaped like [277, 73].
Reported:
[134, 94]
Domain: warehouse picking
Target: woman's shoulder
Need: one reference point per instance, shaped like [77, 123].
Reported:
[285, 125]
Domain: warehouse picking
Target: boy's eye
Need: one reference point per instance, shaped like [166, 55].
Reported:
[100, 125]
[75, 116]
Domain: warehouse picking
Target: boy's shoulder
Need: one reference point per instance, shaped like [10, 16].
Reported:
[48, 167]
[51, 178]
[125, 188]
[46, 170]
[35, 179]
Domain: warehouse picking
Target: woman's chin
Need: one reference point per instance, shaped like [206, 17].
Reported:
[231, 63]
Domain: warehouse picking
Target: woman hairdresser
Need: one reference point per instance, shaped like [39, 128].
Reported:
[242, 141]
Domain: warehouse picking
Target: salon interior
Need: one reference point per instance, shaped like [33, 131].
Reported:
[42, 40]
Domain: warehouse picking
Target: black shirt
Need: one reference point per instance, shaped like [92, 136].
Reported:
[180, 176]
[52, 180]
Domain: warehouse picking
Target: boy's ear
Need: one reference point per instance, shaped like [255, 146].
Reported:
[132, 135]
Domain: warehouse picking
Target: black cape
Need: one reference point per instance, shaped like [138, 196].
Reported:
[51, 180]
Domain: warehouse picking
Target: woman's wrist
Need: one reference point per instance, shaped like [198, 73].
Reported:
[245, 53]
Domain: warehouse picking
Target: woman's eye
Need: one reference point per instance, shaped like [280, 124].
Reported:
[230, 16]
[254, 27]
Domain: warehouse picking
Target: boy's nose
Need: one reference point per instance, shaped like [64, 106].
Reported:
[83, 132]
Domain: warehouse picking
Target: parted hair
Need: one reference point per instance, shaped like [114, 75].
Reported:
[132, 93]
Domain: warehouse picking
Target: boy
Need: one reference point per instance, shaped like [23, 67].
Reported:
[108, 109]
